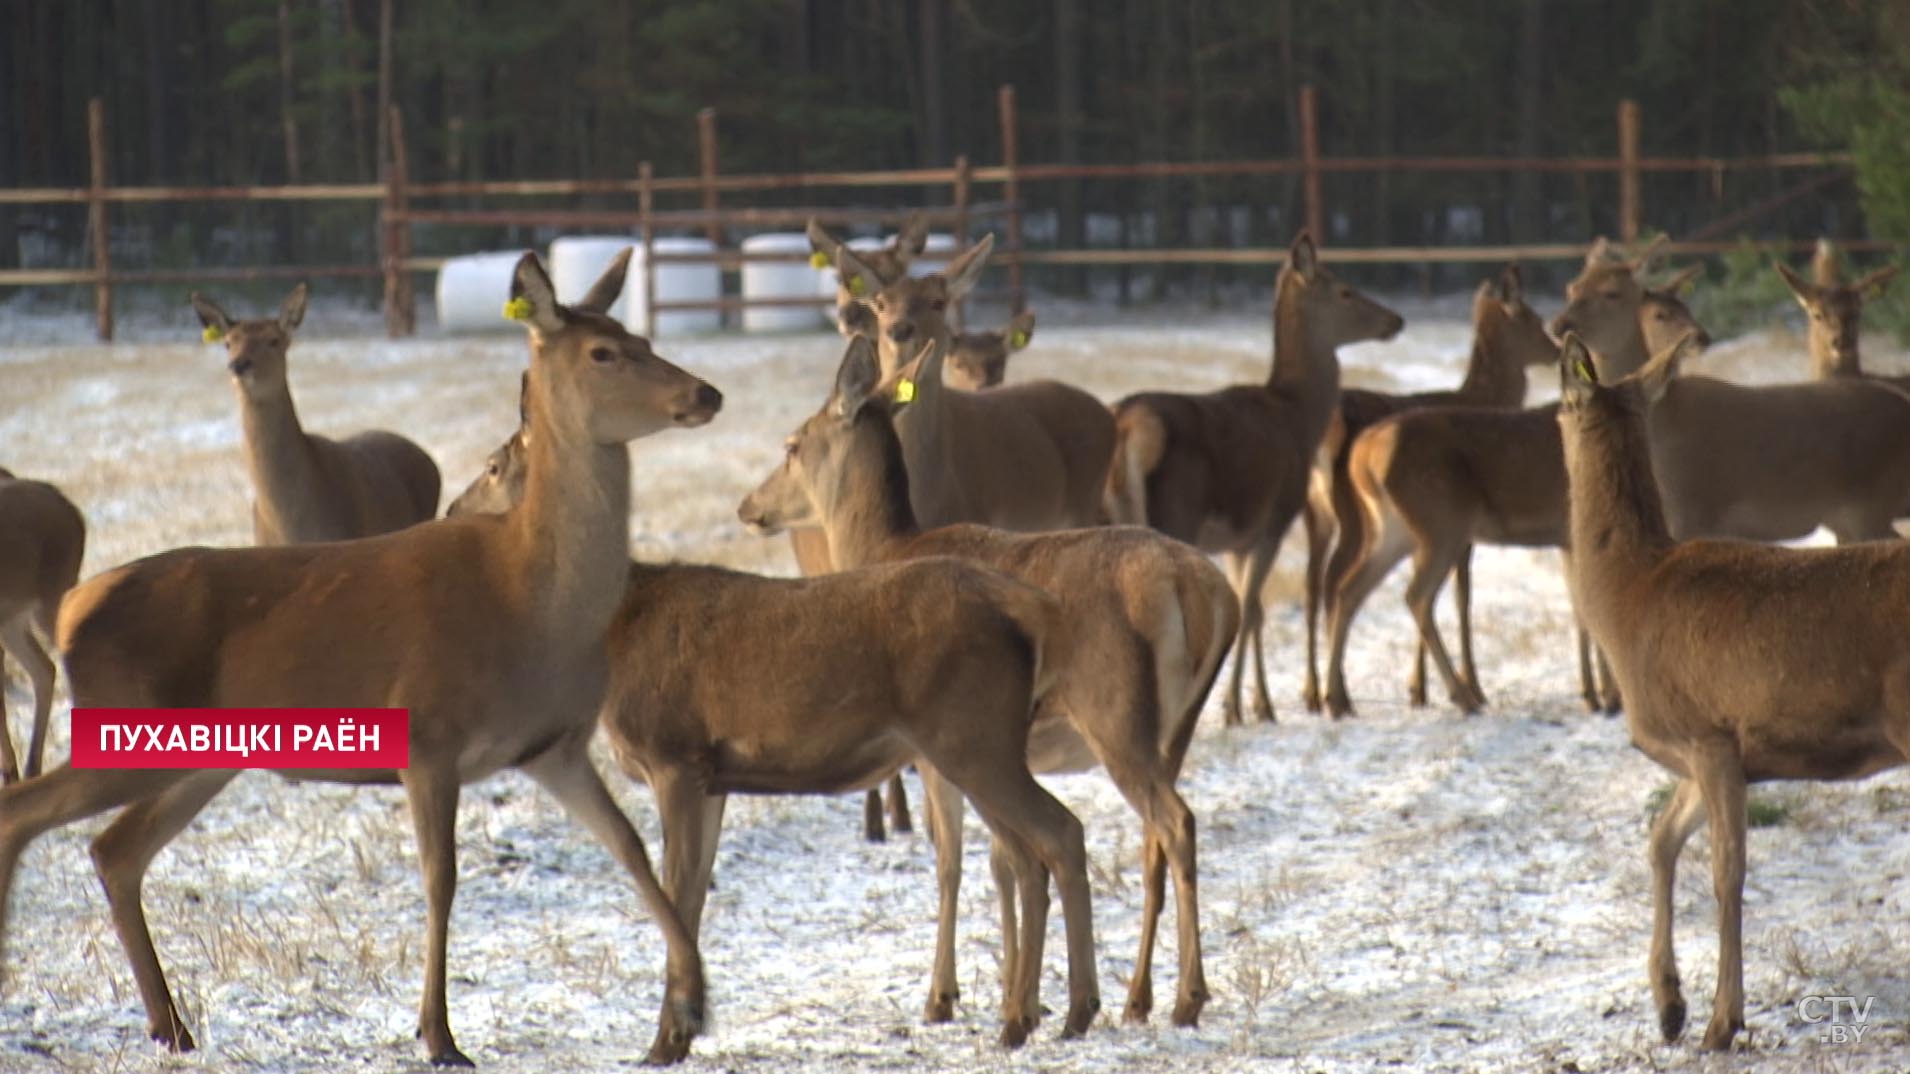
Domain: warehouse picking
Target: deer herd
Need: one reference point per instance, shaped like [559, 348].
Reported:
[999, 580]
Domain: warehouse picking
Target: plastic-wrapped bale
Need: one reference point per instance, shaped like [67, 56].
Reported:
[472, 291]
[577, 262]
[780, 279]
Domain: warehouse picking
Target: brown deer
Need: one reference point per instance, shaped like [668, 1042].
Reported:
[1227, 471]
[1765, 463]
[931, 661]
[1433, 482]
[888, 263]
[1740, 662]
[1834, 310]
[488, 630]
[1151, 619]
[307, 488]
[978, 360]
[42, 540]
[1507, 337]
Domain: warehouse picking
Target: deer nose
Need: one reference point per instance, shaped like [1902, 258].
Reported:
[902, 333]
[239, 367]
[708, 398]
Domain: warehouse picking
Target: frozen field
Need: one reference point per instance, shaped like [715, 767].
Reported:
[1411, 890]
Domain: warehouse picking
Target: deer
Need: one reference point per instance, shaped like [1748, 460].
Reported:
[1766, 463]
[978, 360]
[930, 661]
[307, 488]
[42, 541]
[1809, 680]
[1834, 311]
[887, 263]
[1227, 471]
[1152, 618]
[1434, 481]
[488, 630]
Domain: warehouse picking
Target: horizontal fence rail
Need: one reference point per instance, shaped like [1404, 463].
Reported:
[397, 217]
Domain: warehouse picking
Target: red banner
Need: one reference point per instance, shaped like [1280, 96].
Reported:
[241, 738]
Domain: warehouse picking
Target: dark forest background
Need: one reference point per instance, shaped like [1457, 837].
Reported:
[270, 91]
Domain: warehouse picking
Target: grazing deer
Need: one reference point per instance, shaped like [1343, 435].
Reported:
[1740, 662]
[978, 360]
[852, 676]
[42, 540]
[1834, 310]
[1434, 481]
[1507, 337]
[1767, 463]
[488, 630]
[307, 488]
[1151, 619]
[1227, 471]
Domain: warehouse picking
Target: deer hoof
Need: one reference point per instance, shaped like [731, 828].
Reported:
[1671, 1020]
[1080, 1017]
[1230, 713]
[1614, 703]
[1310, 697]
[1187, 1009]
[1140, 1004]
[451, 1057]
[1717, 1036]
[1340, 706]
[177, 1038]
[941, 1008]
[1014, 1032]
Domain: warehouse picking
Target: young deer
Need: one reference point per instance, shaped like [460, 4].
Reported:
[1434, 481]
[944, 663]
[1227, 471]
[307, 488]
[1740, 662]
[1507, 337]
[42, 540]
[488, 630]
[978, 360]
[1835, 312]
[1151, 620]
[1766, 463]
[887, 264]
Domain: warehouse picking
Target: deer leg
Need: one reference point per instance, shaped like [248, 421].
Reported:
[1462, 596]
[1140, 988]
[9, 764]
[1319, 537]
[1612, 700]
[1587, 685]
[17, 639]
[1239, 567]
[1430, 567]
[1360, 580]
[945, 825]
[899, 806]
[1669, 832]
[1169, 833]
[692, 826]
[121, 855]
[1416, 680]
[566, 772]
[872, 830]
[1257, 571]
[1720, 776]
[433, 795]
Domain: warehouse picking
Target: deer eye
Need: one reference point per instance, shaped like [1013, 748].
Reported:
[491, 469]
[938, 305]
[1346, 292]
[601, 354]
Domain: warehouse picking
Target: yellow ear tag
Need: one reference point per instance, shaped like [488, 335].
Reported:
[518, 309]
[213, 333]
[905, 390]
[1018, 340]
[818, 260]
[856, 286]
[1583, 370]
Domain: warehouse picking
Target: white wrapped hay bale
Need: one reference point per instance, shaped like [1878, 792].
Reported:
[577, 262]
[780, 279]
[472, 291]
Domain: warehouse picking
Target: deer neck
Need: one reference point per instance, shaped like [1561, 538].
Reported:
[1494, 375]
[1305, 368]
[284, 468]
[1629, 356]
[871, 516]
[571, 535]
[929, 443]
[1617, 518]
[1825, 359]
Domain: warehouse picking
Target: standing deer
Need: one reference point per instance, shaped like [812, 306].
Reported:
[1739, 662]
[488, 630]
[1151, 620]
[852, 676]
[42, 541]
[978, 360]
[1227, 471]
[1767, 463]
[307, 488]
[1834, 310]
[1434, 481]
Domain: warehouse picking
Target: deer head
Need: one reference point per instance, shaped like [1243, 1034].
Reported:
[501, 485]
[890, 263]
[255, 349]
[1499, 311]
[1336, 313]
[1834, 309]
[978, 360]
[912, 310]
[1602, 304]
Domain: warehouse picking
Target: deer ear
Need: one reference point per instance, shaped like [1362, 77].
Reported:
[210, 315]
[912, 239]
[1656, 375]
[1578, 374]
[1512, 286]
[292, 310]
[609, 287]
[902, 386]
[1804, 291]
[856, 378]
[524, 400]
[1683, 280]
[1599, 253]
[1824, 268]
[821, 244]
[857, 277]
[1873, 285]
[533, 299]
[1302, 257]
[963, 272]
[1021, 329]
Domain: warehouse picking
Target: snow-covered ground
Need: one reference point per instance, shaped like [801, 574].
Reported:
[1411, 890]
